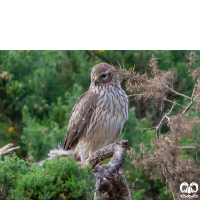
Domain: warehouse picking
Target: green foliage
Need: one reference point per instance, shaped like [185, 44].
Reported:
[61, 177]
[39, 138]
[41, 135]
[9, 171]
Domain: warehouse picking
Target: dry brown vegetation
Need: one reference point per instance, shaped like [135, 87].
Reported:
[167, 157]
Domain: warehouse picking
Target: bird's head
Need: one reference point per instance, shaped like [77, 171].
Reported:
[103, 74]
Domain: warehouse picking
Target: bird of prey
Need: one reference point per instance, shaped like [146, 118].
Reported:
[99, 115]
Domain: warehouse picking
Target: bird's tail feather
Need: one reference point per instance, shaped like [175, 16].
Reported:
[59, 151]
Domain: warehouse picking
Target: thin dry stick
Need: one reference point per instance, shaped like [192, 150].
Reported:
[188, 107]
[197, 158]
[178, 93]
[193, 98]
[160, 124]
[153, 128]
[197, 147]
[186, 147]
[165, 174]
[175, 103]
[165, 116]
[7, 149]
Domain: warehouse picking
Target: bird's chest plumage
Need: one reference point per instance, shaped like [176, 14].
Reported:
[108, 119]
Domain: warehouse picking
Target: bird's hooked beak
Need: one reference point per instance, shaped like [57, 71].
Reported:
[96, 80]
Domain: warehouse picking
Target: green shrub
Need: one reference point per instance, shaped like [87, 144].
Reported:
[55, 179]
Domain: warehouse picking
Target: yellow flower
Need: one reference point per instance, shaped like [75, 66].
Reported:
[101, 51]
[10, 129]
[130, 69]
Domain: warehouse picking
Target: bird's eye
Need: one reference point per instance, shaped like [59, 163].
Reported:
[103, 75]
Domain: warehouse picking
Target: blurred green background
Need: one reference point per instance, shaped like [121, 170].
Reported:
[39, 88]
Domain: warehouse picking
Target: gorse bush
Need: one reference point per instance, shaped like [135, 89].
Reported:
[58, 179]
[138, 181]
[167, 158]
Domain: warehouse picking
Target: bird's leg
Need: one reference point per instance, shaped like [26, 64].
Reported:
[83, 160]
[90, 153]
[81, 154]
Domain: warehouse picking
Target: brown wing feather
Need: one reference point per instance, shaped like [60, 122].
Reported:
[80, 118]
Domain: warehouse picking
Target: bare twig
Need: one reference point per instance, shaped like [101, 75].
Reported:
[165, 174]
[160, 124]
[183, 95]
[175, 103]
[153, 128]
[161, 121]
[189, 105]
[131, 95]
[186, 147]
[197, 158]
[197, 147]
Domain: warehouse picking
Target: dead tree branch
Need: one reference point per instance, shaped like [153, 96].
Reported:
[197, 147]
[157, 128]
[193, 98]
[7, 149]
[180, 94]
[110, 180]
[174, 103]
